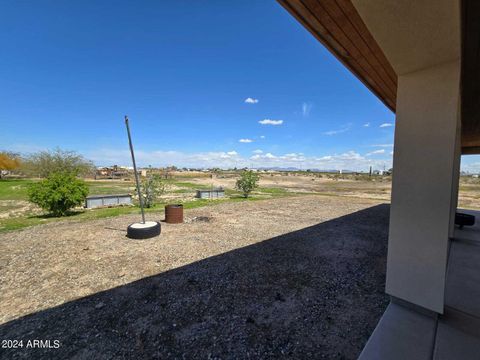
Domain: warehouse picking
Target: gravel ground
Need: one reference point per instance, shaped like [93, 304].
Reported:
[299, 277]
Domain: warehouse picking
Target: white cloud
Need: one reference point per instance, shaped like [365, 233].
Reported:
[262, 136]
[258, 151]
[366, 125]
[250, 100]
[245, 140]
[338, 131]
[386, 125]
[472, 167]
[270, 122]
[350, 160]
[306, 108]
[106, 157]
[376, 152]
[333, 132]
[382, 145]
[267, 156]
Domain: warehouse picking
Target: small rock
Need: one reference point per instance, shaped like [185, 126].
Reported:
[99, 305]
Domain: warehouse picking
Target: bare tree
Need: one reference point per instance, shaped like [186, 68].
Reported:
[44, 163]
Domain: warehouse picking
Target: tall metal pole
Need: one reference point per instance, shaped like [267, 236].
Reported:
[140, 199]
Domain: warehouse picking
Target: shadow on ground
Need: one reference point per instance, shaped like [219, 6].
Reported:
[313, 293]
[70, 213]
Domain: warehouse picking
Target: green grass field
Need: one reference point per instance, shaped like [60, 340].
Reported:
[14, 189]
[14, 196]
[16, 212]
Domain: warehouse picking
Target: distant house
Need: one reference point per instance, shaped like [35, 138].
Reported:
[112, 172]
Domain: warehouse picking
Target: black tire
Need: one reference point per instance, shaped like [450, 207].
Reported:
[135, 232]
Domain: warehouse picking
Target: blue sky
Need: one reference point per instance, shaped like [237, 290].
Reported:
[182, 71]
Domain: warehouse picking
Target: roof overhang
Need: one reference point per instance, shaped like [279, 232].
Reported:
[379, 40]
[339, 27]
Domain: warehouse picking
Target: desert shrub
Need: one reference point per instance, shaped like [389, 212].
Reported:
[248, 182]
[44, 163]
[153, 187]
[58, 193]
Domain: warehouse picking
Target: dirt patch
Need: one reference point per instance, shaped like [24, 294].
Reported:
[374, 189]
[199, 219]
[294, 277]
[17, 208]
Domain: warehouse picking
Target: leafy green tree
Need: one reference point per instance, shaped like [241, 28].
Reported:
[58, 193]
[153, 187]
[248, 182]
[44, 163]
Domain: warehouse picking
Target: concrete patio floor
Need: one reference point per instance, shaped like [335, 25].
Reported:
[404, 333]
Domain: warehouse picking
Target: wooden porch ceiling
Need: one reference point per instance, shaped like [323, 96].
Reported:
[339, 27]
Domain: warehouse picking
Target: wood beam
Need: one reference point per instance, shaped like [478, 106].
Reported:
[338, 26]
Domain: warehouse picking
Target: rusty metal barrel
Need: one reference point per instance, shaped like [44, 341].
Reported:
[174, 214]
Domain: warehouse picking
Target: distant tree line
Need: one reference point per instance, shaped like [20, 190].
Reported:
[43, 163]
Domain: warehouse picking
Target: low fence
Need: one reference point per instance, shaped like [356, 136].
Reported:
[96, 201]
[210, 194]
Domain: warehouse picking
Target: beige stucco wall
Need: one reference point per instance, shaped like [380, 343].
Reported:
[421, 40]
[413, 34]
[426, 159]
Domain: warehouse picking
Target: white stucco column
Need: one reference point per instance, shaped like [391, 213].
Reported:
[425, 184]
